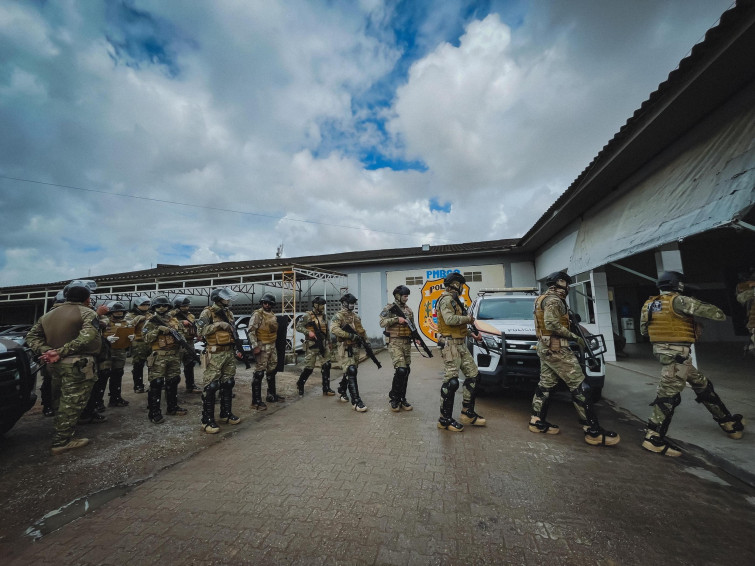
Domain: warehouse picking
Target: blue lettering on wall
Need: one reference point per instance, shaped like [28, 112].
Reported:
[439, 273]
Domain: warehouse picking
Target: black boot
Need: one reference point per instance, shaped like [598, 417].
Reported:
[405, 405]
[305, 373]
[208, 408]
[171, 397]
[595, 435]
[226, 402]
[356, 400]
[153, 401]
[90, 414]
[342, 390]
[394, 395]
[137, 373]
[272, 396]
[116, 378]
[189, 376]
[257, 402]
[447, 393]
[98, 391]
[468, 415]
[326, 390]
[732, 425]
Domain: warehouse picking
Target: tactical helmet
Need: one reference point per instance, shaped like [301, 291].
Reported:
[60, 297]
[319, 301]
[159, 301]
[267, 298]
[222, 294]
[670, 281]
[349, 299]
[452, 278]
[141, 301]
[117, 306]
[79, 290]
[552, 279]
[401, 290]
[181, 301]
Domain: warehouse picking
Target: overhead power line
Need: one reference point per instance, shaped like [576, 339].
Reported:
[215, 208]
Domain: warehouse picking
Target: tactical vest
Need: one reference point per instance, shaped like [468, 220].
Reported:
[64, 323]
[267, 331]
[400, 330]
[455, 331]
[665, 324]
[122, 343]
[540, 329]
[344, 317]
[139, 327]
[319, 321]
[166, 341]
[220, 337]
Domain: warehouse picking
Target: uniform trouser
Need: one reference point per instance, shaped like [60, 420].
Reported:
[117, 363]
[401, 356]
[220, 367]
[554, 365]
[76, 381]
[139, 354]
[311, 355]
[456, 357]
[45, 389]
[676, 371]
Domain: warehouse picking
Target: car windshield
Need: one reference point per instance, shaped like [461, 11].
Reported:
[506, 308]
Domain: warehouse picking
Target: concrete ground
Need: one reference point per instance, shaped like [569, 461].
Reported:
[317, 483]
[631, 384]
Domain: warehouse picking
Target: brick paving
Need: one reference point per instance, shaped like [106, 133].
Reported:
[317, 483]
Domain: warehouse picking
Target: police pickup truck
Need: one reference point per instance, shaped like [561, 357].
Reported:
[18, 381]
[509, 359]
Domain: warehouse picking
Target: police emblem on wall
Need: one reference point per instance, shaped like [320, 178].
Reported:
[427, 318]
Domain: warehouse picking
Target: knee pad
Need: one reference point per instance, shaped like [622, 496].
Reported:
[212, 387]
[667, 404]
[228, 384]
[543, 392]
[306, 372]
[707, 394]
[326, 367]
[450, 387]
[257, 376]
[401, 373]
[470, 383]
[351, 371]
[158, 383]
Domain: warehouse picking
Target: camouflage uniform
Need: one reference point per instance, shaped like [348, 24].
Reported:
[190, 334]
[400, 347]
[220, 365]
[164, 366]
[453, 332]
[72, 330]
[116, 361]
[668, 319]
[746, 297]
[312, 351]
[348, 355]
[140, 351]
[263, 334]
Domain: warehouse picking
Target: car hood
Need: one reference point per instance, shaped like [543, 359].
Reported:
[513, 326]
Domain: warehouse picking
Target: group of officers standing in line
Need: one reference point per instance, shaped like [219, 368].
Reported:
[84, 349]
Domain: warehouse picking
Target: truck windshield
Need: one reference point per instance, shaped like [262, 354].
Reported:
[506, 308]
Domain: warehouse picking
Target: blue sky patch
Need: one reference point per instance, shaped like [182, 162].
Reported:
[436, 206]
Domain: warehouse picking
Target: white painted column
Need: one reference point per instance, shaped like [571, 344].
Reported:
[602, 308]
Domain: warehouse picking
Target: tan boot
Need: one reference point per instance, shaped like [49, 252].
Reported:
[72, 444]
[544, 427]
[733, 426]
[599, 437]
[654, 442]
[469, 417]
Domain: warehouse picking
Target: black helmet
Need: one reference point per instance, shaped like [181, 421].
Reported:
[223, 294]
[79, 290]
[319, 301]
[60, 297]
[117, 306]
[181, 301]
[140, 301]
[401, 290]
[349, 299]
[552, 279]
[452, 278]
[267, 298]
[159, 301]
[670, 281]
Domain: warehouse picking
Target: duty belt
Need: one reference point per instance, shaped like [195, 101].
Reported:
[226, 348]
[452, 340]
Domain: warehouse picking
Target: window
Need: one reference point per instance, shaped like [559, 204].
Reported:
[580, 300]
[473, 275]
[414, 281]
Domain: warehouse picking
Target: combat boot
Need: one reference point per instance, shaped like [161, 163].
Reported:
[116, 377]
[395, 405]
[342, 390]
[305, 373]
[540, 425]
[208, 408]
[732, 425]
[326, 390]
[189, 377]
[272, 396]
[447, 393]
[654, 442]
[595, 435]
[405, 405]
[356, 401]
[394, 395]
[226, 401]
[153, 401]
[91, 418]
[71, 445]
[468, 415]
[257, 402]
[171, 398]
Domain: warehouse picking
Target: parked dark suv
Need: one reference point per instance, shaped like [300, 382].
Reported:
[18, 382]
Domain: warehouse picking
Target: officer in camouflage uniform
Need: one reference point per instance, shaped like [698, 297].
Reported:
[348, 350]
[181, 305]
[746, 297]
[315, 318]
[67, 339]
[557, 361]
[164, 362]
[220, 370]
[115, 363]
[399, 346]
[139, 350]
[263, 333]
[668, 318]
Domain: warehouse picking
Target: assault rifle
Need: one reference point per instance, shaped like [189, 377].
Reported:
[592, 342]
[236, 340]
[363, 343]
[472, 328]
[177, 337]
[319, 336]
[413, 329]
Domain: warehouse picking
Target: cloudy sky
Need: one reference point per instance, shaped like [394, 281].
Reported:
[137, 132]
